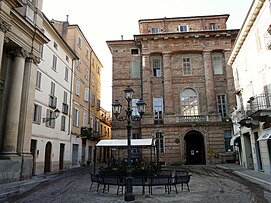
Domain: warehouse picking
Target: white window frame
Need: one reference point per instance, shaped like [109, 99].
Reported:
[134, 107]
[76, 117]
[63, 123]
[157, 66]
[53, 88]
[181, 28]
[38, 80]
[77, 88]
[189, 103]
[86, 94]
[158, 108]
[160, 138]
[37, 114]
[66, 74]
[54, 62]
[222, 105]
[154, 30]
[84, 123]
[212, 26]
[79, 41]
[217, 62]
[186, 65]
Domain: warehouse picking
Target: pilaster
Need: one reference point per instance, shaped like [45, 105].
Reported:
[4, 28]
[209, 81]
[168, 94]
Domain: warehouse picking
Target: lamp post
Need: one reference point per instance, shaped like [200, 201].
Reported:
[116, 106]
[54, 116]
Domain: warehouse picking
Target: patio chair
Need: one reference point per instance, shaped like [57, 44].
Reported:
[94, 179]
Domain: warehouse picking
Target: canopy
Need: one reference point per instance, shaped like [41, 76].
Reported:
[123, 143]
[265, 135]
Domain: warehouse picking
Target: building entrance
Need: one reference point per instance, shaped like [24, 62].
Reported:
[195, 152]
[47, 160]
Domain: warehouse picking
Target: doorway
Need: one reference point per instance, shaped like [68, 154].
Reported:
[47, 159]
[195, 151]
[75, 154]
[61, 156]
[33, 149]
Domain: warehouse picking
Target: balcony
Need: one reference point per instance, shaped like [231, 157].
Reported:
[200, 118]
[52, 101]
[259, 107]
[65, 108]
[267, 38]
[89, 134]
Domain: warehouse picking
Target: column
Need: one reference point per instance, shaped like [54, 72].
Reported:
[146, 75]
[28, 98]
[209, 82]
[168, 91]
[230, 81]
[14, 103]
[4, 28]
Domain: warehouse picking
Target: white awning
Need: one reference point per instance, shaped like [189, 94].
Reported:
[123, 143]
[265, 135]
[233, 139]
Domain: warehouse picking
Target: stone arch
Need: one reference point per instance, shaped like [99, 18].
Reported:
[195, 148]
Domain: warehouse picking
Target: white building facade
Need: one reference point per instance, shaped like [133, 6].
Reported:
[51, 134]
[250, 60]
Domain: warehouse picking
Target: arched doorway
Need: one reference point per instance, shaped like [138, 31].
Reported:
[47, 159]
[195, 152]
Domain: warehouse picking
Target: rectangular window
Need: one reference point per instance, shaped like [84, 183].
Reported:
[53, 87]
[63, 123]
[134, 51]
[38, 80]
[79, 42]
[98, 104]
[86, 72]
[186, 66]
[91, 122]
[159, 142]
[221, 105]
[55, 45]
[135, 69]
[54, 62]
[92, 80]
[217, 64]
[86, 94]
[51, 119]
[65, 97]
[154, 30]
[77, 90]
[84, 120]
[158, 108]
[67, 58]
[134, 107]
[212, 26]
[41, 51]
[227, 140]
[183, 28]
[37, 114]
[87, 53]
[156, 66]
[97, 126]
[66, 77]
[93, 99]
[78, 65]
[76, 117]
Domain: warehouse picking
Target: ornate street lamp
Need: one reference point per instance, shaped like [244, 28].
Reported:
[116, 107]
[54, 116]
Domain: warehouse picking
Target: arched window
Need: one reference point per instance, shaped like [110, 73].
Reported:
[189, 103]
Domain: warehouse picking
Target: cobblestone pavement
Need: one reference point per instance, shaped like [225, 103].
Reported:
[208, 184]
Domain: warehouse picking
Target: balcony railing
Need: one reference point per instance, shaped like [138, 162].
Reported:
[200, 118]
[260, 102]
[267, 38]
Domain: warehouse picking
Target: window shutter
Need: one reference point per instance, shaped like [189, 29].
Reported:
[39, 114]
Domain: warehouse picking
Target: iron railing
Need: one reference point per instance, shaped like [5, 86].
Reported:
[259, 102]
[200, 118]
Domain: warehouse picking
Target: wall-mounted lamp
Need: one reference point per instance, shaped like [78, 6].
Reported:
[54, 115]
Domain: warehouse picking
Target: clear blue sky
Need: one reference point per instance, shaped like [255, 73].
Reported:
[102, 20]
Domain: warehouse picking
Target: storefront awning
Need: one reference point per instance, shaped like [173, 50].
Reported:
[123, 143]
[233, 139]
[265, 135]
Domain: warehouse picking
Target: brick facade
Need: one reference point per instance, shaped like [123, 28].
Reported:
[178, 123]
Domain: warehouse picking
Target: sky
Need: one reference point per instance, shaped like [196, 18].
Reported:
[104, 20]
